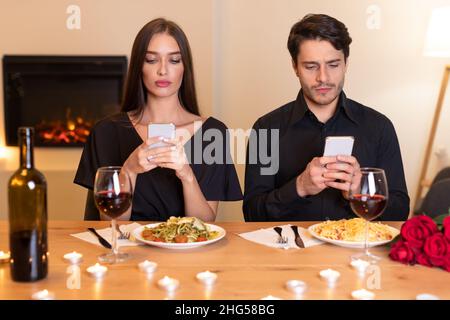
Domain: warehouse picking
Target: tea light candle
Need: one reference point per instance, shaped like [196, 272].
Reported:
[4, 257]
[43, 295]
[168, 284]
[147, 266]
[296, 286]
[331, 276]
[73, 257]
[97, 271]
[270, 297]
[207, 278]
[363, 294]
[426, 296]
[360, 265]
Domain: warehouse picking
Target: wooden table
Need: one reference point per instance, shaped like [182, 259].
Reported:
[246, 270]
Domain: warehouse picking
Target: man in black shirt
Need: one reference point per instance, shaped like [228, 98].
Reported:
[307, 185]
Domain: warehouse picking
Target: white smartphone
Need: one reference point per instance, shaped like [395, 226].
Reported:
[166, 130]
[338, 145]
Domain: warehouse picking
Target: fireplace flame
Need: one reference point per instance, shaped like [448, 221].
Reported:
[70, 131]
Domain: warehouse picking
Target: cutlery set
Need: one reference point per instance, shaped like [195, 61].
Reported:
[104, 242]
[284, 240]
[281, 239]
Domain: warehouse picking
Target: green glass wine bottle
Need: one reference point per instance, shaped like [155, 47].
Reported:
[27, 206]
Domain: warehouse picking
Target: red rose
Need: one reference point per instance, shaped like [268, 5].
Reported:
[402, 252]
[417, 230]
[436, 248]
[446, 265]
[423, 260]
[446, 225]
[428, 223]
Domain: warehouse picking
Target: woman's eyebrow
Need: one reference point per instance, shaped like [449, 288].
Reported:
[170, 53]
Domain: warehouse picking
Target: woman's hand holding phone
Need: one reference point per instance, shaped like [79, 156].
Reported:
[174, 157]
[139, 160]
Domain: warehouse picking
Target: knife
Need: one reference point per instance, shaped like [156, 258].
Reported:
[298, 239]
[102, 240]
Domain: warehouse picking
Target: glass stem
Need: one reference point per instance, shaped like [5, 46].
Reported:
[366, 244]
[115, 250]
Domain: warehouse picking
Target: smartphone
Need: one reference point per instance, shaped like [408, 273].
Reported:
[166, 130]
[338, 145]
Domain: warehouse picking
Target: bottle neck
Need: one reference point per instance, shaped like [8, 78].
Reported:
[26, 150]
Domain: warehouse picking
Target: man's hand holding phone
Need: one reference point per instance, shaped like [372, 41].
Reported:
[312, 181]
[341, 173]
[334, 170]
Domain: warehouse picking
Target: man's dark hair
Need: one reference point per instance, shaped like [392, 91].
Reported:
[319, 27]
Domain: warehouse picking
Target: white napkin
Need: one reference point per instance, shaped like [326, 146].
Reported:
[107, 234]
[269, 237]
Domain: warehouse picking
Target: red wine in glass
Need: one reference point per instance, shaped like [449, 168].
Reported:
[368, 197]
[366, 206]
[112, 195]
[111, 204]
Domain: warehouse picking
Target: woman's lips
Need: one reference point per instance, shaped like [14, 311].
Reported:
[162, 83]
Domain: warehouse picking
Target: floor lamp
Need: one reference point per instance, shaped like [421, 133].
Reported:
[437, 44]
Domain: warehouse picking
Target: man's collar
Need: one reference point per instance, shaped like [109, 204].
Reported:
[300, 108]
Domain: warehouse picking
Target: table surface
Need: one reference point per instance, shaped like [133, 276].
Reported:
[245, 270]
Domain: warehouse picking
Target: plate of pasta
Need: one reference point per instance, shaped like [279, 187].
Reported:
[351, 233]
[179, 233]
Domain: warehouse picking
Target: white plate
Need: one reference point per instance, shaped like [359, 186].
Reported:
[137, 233]
[351, 244]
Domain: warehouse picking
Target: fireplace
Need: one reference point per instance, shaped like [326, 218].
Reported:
[60, 96]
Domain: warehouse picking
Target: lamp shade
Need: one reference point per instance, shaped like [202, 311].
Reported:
[437, 42]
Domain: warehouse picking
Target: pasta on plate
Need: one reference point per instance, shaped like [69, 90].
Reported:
[355, 230]
[179, 230]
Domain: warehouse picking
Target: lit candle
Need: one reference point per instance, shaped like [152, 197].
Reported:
[169, 284]
[73, 257]
[296, 286]
[43, 295]
[97, 271]
[147, 266]
[427, 296]
[331, 276]
[207, 278]
[363, 294]
[360, 266]
[270, 297]
[4, 257]
[3, 158]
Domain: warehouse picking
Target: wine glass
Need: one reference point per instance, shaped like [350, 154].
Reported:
[368, 196]
[112, 195]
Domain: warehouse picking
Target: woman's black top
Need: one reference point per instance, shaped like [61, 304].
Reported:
[158, 193]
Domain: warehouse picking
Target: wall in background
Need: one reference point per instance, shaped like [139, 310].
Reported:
[387, 70]
[242, 66]
[107, 28]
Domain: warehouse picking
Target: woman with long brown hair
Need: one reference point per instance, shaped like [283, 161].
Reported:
[160, 88]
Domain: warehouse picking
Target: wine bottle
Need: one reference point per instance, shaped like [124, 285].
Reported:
[27, 207]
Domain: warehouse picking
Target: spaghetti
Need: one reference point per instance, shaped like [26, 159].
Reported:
[354, 230]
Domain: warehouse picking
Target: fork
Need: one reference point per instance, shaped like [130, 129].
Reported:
[122, 235]
[281, 239]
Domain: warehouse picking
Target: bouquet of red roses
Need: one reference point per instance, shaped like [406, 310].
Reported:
[424, 241]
